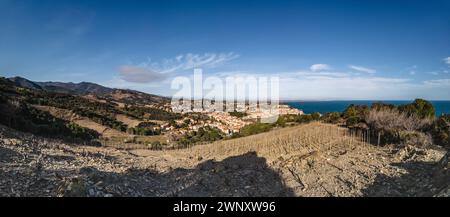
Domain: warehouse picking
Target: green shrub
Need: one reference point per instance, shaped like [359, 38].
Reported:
[331, 117]
[29, 119]
[147, 113]
[255, 128]
[156, 145]
[143, 131]
[415, 138]
[420, 108]
[82, 132]
[284, 119]
[355, 111]
[353, 121]
[305, 118]
[204, 134]
[316, 116]
[381, 106]
[238, 114]
[441, 131]
[3, 98]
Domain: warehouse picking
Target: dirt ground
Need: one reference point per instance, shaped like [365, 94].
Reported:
[308, 160]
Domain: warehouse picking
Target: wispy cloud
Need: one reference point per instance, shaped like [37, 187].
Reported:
[301, 74]
[320, 67]
[334, 85]
[412, 70]
[447, 60]
[150, 71]
[328, 87]
[438, 82]
[189, 61]
[140, 75]
[314, 83]
[309, 85]
[362, 69]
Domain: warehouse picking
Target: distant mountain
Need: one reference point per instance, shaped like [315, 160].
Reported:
[77, 88]
[88, 88]
[22, 82]
[82, 88]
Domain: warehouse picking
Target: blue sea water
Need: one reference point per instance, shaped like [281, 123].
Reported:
[441, 107]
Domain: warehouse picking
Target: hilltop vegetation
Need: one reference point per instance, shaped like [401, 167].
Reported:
[409, 124]
[145, 129]
[202, 135]
[18, 95]
[85, 88]
[441, 131]
[148, 113]
[102, 113]
[28, 119]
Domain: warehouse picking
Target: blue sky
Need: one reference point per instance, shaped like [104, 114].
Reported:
[320, 49]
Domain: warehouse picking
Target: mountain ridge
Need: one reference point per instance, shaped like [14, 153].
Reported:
[81, 88]
[62, 87]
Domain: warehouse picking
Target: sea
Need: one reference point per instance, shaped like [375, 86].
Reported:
[308, 107]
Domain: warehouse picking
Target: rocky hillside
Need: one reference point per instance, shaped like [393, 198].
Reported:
[307, 160]
[101, 114]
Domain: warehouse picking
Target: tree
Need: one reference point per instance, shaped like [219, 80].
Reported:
[255, 128]
[352, 121]
[441, 131]
[420, 107]
[331, 117]
[238, 114]
[355, 111]
[305, 118]
[354, 114]
[315, 116]
[381, 106]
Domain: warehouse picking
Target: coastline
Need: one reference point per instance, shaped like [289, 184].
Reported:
[441, 106]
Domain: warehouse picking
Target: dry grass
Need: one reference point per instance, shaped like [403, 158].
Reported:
[388, 119]
[111, 137]
[103, 130]
[130, 142]
[82, 121]
[58, 112]
[313, 159]
[131, 122]
[285, 142]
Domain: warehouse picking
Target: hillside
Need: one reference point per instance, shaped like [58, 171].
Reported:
[103, 114]
[65, 139]
[307, 160]
[88, 88]
[22, 82]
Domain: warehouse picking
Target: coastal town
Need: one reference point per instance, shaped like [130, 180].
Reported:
[231, 121]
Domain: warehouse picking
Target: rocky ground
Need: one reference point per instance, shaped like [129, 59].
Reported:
[296, 161]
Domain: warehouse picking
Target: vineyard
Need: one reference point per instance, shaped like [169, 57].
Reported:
[292, 140]
[314, 160]
[306, 160]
